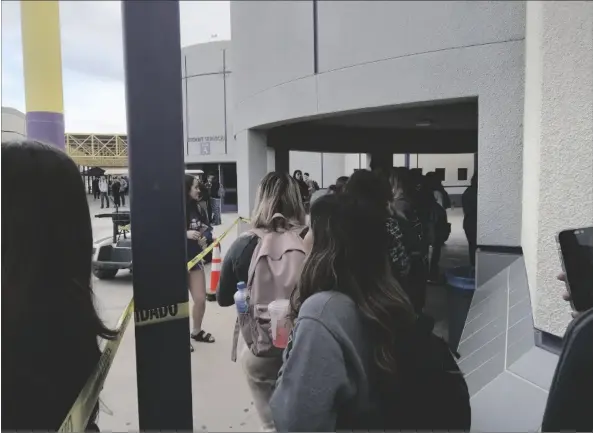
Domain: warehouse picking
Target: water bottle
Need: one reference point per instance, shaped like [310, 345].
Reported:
[241, 298]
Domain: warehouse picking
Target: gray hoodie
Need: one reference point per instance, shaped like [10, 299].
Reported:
[326, 367]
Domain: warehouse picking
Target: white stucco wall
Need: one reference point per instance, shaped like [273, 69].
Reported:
[14, 126]
[558, 145]
[206, 119]
[368, 58]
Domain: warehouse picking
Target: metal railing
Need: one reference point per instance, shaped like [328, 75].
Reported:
[98, 150]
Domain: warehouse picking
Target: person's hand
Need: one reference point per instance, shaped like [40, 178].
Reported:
[203, 242]
[193, 235]
[566, 294]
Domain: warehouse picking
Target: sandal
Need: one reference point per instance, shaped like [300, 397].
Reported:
[203, 337]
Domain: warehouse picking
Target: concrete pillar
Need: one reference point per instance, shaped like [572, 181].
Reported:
[42, 65]
[252, 154]
[281, 160]
[558, 145]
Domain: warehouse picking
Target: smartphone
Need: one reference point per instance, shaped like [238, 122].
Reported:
[576, 254]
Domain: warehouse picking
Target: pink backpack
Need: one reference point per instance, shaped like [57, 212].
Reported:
[275, 268]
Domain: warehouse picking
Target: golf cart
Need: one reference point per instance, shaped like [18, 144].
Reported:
[115, 252]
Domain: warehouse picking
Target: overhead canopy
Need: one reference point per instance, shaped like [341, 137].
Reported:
[194, 172]
[124, 172]
[93, 171]
[116, 172]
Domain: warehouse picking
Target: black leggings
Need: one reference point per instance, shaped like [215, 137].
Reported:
[471, 233]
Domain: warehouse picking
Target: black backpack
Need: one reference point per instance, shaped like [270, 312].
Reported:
[429, 392]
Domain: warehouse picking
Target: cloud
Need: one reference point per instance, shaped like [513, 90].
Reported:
[92, 57]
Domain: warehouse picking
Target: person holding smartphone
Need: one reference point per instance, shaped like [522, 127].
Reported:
[199, 234]
[570, 399]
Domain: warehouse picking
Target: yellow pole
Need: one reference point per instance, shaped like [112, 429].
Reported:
[42, 65]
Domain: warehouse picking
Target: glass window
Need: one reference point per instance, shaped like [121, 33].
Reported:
[440, 172]
[462, 174]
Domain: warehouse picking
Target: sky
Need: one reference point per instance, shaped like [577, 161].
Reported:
[92, 57]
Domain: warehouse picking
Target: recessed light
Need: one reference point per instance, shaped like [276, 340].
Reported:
[424, 123]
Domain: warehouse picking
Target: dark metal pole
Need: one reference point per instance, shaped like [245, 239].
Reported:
[152, 59]
[322, 169]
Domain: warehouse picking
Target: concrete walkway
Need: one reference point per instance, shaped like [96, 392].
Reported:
[221, 399]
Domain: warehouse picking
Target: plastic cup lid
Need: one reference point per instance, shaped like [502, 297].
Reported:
[279, 304]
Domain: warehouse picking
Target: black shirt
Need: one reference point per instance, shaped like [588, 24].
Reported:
[215, 189]
[235, 268]
[205, 190]
[195, 215]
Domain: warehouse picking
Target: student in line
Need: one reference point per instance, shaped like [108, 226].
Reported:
[50, 328]
[403, 208]
[436, 201]
[303, 187]
[373, 189]
[340, 184]
[278, 207]
[349, 311]
[332, 189]
[469, 201]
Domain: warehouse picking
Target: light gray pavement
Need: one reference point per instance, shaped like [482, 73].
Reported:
[221, 399]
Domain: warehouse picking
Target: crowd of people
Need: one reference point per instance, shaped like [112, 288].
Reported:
[359, 354]
[307, 187]
[117, 188]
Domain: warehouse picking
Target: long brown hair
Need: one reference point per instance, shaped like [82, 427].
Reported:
[278, 193]
[350, 255]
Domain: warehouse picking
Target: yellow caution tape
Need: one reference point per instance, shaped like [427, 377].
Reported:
[84, 406]
[204, 253]
[161, 314]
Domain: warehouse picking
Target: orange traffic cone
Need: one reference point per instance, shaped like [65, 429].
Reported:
[214, 273]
